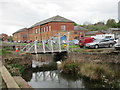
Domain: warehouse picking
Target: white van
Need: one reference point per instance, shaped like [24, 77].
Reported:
[103, 36]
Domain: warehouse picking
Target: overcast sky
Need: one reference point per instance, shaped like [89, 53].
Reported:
[17, 14]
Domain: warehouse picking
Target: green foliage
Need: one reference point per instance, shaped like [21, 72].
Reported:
[75, 24]
[100, 73]
[70, 67]
[111, 23]
[118, 24]
[4, 51]
[95, 27]
[73, 46]
[10, 38]
[21, 68]
[79, 50]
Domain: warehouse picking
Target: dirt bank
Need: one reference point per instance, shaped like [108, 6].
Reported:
[107, 57]
[17, 62]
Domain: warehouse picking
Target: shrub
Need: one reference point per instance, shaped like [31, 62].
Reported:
[70, 66]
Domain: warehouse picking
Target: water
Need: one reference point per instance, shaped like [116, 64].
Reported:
[37, 78]
[52, 79]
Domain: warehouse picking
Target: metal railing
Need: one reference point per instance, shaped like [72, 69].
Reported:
[52, 45]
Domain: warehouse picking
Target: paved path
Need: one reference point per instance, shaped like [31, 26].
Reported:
[10, 82]
[23, 84]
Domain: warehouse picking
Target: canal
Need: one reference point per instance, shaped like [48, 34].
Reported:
[38, 77]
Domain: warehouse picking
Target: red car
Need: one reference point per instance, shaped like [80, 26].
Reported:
[85, 40]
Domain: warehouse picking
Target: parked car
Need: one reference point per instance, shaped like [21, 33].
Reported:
[100, 43]
[85, 40]
[74, 42]
[117, 45]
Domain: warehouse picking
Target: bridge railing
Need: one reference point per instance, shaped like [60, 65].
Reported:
[51, 45]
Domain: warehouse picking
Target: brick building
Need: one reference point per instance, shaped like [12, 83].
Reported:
[21, 35]
[45, 29]
[80, 31]
[3, 37]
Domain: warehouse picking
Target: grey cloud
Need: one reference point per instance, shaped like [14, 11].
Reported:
[24, 13]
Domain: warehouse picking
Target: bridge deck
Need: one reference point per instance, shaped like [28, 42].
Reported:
[48, 52]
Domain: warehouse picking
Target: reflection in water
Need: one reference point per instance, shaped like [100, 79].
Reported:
[52, 79]
[49, 79]
[27, 75]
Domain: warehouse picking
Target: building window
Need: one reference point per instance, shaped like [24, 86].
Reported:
[46, 29]
[63, 27]
[36, 31]
[41, 29]
[49, 28]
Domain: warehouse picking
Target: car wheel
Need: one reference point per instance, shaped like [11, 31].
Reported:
[81, 46]
[96, 47]
[110, 46]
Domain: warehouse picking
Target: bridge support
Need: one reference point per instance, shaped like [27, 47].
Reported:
[43, 46]
[51, 42]
[68, 41]
[35, 46]
[59, 43]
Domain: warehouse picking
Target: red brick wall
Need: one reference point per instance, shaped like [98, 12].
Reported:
[45, 31]
[57, 26]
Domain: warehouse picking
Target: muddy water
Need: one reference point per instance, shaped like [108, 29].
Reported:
[38, 78]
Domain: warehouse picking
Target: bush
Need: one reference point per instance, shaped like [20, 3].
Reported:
[21, 68]
[70, 66]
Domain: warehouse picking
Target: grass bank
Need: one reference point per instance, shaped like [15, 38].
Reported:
[102, 73]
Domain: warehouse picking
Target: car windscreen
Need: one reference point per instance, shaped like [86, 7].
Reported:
[97, 40]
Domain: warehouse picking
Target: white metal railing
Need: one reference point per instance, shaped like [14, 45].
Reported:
[50, 46]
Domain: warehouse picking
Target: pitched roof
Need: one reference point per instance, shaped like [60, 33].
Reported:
[94, 32]
[53, 19]
[79, 28]
[91, 32]
[21, 30]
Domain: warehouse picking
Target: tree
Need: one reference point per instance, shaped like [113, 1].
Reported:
[111, 23]
[99, 23]
[10, 38]
[119, 24]
[75, 24]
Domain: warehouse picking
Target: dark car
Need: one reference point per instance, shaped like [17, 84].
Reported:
[100, 43]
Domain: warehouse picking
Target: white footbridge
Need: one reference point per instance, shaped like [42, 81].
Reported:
[53, 45]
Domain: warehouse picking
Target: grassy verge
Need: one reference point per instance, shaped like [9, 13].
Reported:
[92, 71]
[4, 51]
[74, 46]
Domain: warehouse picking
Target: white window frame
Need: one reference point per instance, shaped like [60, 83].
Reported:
[49, 28]
[63, 27]
[36, 31]
[44, 29]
